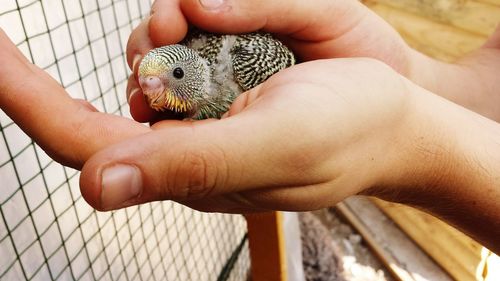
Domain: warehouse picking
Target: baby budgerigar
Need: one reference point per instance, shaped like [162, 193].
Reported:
[200, 77]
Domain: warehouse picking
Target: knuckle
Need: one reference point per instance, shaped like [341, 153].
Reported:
[195, 165]
[196, 174]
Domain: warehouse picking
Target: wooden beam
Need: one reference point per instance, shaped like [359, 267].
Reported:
[267, 246]
[435, 39]
[458, 254]
[476, 17]
[405, 260]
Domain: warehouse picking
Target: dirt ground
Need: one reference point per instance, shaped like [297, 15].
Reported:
[332, 250]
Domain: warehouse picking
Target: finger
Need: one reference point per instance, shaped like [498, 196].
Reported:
[494, 40]
[299, 198]
[139, 108]
[284, 16]
[138, 45]
[295, 198]
[233, 203]
[243, 101]
[167, 24]
[41, 107]
[303, 198]
[132, 86]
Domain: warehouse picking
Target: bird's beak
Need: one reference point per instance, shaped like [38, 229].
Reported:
[153, 90]
[151, 85]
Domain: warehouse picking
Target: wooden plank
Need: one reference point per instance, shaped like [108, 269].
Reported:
[491, 2]
[267, 246]
[438, 40]
[400, 255]
[473, 16]
[458, 254]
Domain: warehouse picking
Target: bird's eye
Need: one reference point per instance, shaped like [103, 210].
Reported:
[178, 73]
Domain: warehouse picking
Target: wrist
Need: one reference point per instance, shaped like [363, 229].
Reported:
[419, 151]
[449, 166]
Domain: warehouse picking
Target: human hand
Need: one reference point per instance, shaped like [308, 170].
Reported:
[307, 138]
[69, 130]
[319, 30]
[304, 134]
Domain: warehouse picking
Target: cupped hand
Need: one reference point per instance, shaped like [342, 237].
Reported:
[317, 29]
[308, 137]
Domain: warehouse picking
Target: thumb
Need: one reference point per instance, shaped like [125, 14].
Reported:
[185, 161]
[303, 19]
[300, 21]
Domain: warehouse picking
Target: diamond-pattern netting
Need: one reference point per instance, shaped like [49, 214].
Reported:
[47, 230]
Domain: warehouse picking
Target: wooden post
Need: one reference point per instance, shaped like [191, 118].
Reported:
[267, 246]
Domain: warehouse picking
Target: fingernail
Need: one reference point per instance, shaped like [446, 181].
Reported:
[135, 62]
[132, 93]
[120, 183]
[211, 4]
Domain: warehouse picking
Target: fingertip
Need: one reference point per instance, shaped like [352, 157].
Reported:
[167, 24]
[134, 92]
[90, 184]
[224, 16]
[243, 101]
[106, 185]
[136, 61]
[141, 112]
[138, 44]
[139, 109]
[213, 5]
[132, 85]
[237, 106]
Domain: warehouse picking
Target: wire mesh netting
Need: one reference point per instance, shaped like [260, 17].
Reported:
[47, 231]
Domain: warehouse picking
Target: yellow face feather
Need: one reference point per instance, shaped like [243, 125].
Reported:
[167, 100]
[176, 104]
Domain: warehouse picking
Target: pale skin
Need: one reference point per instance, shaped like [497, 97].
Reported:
[307, 138]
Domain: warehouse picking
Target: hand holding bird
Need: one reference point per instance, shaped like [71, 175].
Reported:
[202, 77]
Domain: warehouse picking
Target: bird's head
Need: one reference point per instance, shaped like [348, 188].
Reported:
[173, 78]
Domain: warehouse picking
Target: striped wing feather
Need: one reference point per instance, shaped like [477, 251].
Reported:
[257, 56]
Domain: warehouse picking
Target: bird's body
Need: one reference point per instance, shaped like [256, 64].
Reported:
[203, 75]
